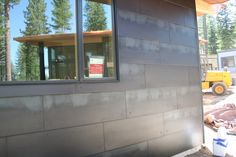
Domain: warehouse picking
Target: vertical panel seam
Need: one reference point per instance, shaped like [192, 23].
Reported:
[163, 123]
[170, 42]
[6, 147]
[43, 113]
[177, 100]
[146, 142]
[104, 139]
[145, 77]
[148, 148]
[126, 105]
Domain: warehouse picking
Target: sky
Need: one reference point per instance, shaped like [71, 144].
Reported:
[17, 22]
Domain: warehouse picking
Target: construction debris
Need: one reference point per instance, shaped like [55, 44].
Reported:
[223, 116]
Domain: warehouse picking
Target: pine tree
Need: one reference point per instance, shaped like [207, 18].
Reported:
[95, 16]
[234, 20]
[35, 18]
[61, 16]
[28, 57]
[20, 63]
[8, 4]
[212, 36]
[2, 20]
[225, 28]
[200, 27]
[2, 42]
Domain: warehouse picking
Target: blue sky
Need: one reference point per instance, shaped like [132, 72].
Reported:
[17, 21]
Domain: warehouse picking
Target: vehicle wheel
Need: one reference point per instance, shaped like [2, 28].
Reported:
[219, 88]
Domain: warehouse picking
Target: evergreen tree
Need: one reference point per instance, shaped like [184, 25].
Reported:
[20, 63]
[200, 27]
[35, 18]
[28, 57]
[234, 20]
[225, 28]
[2, 20]
[212, 36]
[2, 42]
[95, 16]
[61, 16]
[8, 4]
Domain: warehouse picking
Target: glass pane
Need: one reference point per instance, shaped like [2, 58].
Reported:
[41, 41]
[98, 40]
[227, 62]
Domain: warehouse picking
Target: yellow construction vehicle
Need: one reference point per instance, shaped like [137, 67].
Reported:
[219, 81]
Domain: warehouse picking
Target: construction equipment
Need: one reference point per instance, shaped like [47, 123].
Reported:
[219, 81]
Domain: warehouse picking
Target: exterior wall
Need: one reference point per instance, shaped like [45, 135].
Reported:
[155, 109]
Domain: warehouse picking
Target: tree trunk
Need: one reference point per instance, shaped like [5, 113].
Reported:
[7, 40]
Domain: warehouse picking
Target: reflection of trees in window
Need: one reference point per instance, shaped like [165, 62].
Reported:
[95, 16]
[5, 10]
[61, 16]
[2, 43]
[98, 46]
[62, 62]
[36, 23]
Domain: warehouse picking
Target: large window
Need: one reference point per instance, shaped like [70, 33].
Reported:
[227, 62]
[98, 39]
[39, 40]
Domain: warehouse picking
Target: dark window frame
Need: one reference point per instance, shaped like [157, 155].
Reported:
[80, 55]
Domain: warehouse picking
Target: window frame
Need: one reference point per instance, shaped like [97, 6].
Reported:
[81, 47]
[80, 54]
[226, 59]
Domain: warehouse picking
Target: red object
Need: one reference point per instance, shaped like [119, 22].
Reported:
[96, 69]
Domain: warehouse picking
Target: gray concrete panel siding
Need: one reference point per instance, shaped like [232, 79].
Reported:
[170, 144]
[73, 142]
[159, 100]
[130, 131]
[36, 90]
[3, 151]
[166, 76]
[182, 35]
[188, 96]
[194, 76]
[20, 115]
[184, 119]
[178, 55]
[137, 150]
[153, 110]
[79, 109]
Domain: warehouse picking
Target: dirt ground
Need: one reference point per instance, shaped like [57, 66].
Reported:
[204, 152]
[210, 101]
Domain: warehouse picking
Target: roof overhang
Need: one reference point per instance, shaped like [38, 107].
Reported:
[207, 6]
[66, 39]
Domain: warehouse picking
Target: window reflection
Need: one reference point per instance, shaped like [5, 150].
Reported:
[42, 40]
[98, 39]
